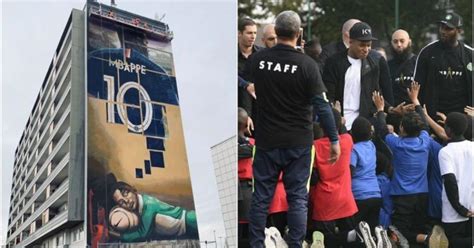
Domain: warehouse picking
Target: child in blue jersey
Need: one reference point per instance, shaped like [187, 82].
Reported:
[409, 186]
[364, 181]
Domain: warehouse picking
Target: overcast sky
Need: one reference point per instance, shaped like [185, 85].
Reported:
[204, 49]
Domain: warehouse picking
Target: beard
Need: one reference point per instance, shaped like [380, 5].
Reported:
[403, 55]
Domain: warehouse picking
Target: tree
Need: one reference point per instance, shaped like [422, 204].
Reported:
[417, 17]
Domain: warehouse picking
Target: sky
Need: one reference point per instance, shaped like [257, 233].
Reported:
[204, 50]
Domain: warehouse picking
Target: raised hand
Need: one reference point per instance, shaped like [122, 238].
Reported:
[442, 116]
[378, 100]
[413, 92]
[249, 126]
[337, 106]
[469, 110]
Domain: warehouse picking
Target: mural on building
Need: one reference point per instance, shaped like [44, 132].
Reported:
[139, 186]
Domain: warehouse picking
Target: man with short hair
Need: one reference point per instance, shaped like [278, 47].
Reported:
[288, 85]
[353, 74]
[401, 65]
[269, 37]
[247, 33]
[444, 70]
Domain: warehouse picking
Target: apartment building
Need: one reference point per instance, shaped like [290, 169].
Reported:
[47, 199]
[224, 157]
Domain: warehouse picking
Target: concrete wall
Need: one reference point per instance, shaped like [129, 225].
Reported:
[77, 148]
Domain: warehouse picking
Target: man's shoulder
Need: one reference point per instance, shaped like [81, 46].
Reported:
[467, 48]
[429, 48]
[375, 56]
[332, 47]
[257, 48]
[337, 58]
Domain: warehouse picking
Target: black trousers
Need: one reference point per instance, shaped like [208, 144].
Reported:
[278, 220]
[244, 199]
[459, 234]
[410, 215]
[268, 163]
[335, 232]
[369, 211]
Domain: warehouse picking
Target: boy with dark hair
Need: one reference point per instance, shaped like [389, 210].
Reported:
[364, 181]
[409, 188]
[455, 161]
[279, 205]
[245, 153]
[333, 205]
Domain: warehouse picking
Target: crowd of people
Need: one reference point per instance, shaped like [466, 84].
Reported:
[340, 148]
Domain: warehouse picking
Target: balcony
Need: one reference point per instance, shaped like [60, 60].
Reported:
[59, 156]
[62, 124]
[57, 195]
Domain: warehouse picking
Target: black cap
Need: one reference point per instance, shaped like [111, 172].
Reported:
[361, 31]
[451, 20]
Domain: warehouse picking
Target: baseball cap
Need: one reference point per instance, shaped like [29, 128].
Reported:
[361, 31]
[451, 20]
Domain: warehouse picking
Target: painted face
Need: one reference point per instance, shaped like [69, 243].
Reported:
[447, 34]
[248, 35]
[400, 41]
[359, 49]
[126, 199]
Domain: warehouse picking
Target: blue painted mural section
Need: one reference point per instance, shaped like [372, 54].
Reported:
[160, 86]
[141, 74]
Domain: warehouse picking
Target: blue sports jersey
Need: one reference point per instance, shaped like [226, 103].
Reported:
[410, 159]
[363, 162]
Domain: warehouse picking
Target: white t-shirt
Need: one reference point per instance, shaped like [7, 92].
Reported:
[458, 158]
[351, 102]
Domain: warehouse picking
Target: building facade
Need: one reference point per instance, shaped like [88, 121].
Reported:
[106, 123]
[47, 203]
[224, 157]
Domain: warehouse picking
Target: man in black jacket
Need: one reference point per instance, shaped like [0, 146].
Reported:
[444, 70]
[401, 65]
[352, 75]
